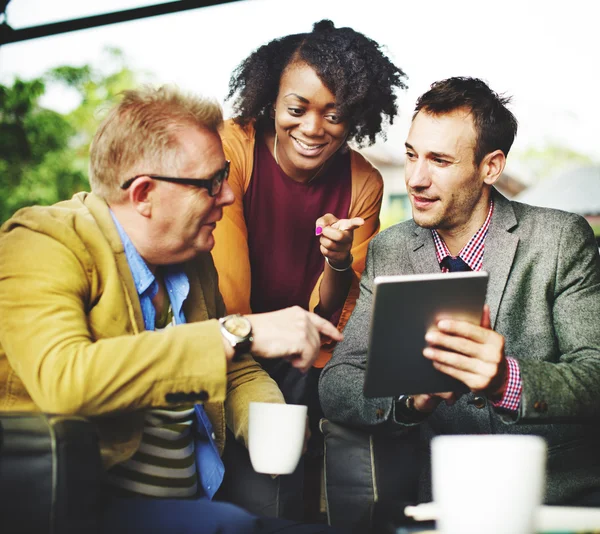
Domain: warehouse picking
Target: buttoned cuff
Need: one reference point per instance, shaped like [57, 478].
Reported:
[511, 399]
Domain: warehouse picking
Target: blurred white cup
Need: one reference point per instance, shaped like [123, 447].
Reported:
[276, 437]
[488, 484]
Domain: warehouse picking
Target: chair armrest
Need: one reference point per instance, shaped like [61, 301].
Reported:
[362, 468]
[350, 483]
[50, 474]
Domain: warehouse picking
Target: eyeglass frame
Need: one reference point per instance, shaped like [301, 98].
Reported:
[207, 183]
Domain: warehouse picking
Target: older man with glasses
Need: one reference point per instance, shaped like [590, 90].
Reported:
[110, 310]
[213, 184]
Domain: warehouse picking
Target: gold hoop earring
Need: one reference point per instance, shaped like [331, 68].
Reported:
[275, 149]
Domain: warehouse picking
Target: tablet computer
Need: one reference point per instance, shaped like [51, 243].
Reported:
[404, 307]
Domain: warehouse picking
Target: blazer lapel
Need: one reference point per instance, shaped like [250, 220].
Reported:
[199, 311]
[500, 249]
[101, 214]
[422, 253]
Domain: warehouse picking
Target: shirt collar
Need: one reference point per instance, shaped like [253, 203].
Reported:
[472, 252]
[176, 281]
[142, 275]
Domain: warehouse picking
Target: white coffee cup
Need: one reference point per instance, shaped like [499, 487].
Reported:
[488, 484]
[276, 437]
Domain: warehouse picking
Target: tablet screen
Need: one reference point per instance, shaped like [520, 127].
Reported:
[404, 307]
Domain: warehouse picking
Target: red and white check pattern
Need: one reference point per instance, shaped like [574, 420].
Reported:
[472, 255]
[514, 388]
[472, 252]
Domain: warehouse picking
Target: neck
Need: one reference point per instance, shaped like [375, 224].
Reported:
[135, 230]
[458, 236]
[304, 177]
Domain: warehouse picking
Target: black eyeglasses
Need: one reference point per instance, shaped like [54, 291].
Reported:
[213, 184]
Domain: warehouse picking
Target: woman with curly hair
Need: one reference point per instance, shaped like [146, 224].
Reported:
[306, 205]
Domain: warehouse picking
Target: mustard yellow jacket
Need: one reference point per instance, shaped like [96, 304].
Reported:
[72, 338]
[231, 236]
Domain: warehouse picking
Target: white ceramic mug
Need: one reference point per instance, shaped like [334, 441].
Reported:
[276, 437]
[488, 484]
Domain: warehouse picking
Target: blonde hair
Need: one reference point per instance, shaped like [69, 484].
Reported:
[140, 135]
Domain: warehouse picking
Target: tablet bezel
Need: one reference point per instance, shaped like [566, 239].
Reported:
[404, 307]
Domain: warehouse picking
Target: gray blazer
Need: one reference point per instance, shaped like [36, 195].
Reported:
[544, 296]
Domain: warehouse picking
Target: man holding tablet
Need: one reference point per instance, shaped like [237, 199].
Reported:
[533, 365]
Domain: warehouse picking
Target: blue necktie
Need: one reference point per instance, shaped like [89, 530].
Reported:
[455, 264]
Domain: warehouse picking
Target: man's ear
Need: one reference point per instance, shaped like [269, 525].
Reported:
[140, 195]
[492, 166]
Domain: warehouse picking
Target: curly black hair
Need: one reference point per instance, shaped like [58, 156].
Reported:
[349, 64]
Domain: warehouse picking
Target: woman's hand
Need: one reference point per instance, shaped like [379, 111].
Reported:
[336, 236]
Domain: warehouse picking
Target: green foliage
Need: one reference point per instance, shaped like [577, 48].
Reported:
[43, 153]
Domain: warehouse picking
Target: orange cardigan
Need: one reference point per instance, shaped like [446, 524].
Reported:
[231, 235]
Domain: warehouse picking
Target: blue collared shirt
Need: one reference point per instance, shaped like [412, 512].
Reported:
[208, 461]
[176, 282]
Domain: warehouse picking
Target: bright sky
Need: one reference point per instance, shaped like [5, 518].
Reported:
[544, 53]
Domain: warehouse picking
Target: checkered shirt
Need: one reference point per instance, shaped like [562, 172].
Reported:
[472, 255]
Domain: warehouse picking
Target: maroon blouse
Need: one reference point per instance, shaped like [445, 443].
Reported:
[285, 259]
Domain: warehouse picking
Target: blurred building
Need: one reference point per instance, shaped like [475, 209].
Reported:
[576, 190]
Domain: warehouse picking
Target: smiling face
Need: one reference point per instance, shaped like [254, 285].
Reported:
[308, 128]
[186, 215]
[447, 191]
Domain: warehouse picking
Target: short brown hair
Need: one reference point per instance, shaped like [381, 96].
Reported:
[495, 125]
[141, 131]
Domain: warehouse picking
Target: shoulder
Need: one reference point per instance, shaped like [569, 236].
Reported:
[238, 145]
[62, 220]
[390, 250]
[234, 135]
[367, 185]
[68, 226]
[363, 170]
[529, 212]
[395, 234]
[550, 222]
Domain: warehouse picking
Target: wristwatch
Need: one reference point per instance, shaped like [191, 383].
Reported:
[405, 408]
[406, 403]
[238, 331]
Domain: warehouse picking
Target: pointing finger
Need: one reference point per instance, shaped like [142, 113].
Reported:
[348, 224]
[325, 327]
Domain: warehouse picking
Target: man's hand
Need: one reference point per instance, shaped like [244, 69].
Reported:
[292, 333]
[336, 238]
[472, 354]
[426, 403]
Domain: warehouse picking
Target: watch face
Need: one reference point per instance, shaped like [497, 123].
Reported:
[238, 326]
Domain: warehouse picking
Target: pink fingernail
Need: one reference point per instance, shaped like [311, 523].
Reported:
[318, 230]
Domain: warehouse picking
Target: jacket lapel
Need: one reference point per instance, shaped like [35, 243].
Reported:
[101, 214]
[199, 311]
[500, 249]
[422, 252]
